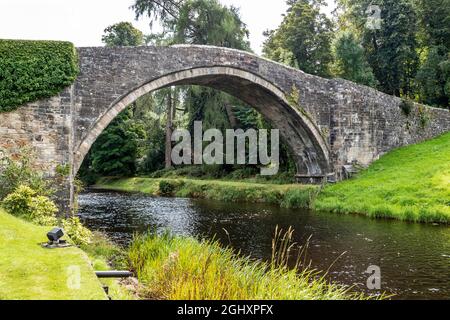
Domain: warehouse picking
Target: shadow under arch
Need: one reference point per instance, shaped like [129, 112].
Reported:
[302, 136]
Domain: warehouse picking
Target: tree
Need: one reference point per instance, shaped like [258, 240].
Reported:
[208, 22]
[349, 60]
[122, 34]
[115, 151]
[390, 46]
[171, 114]
[303, 38]
[433, 77]
[434, 22]
[204, 22]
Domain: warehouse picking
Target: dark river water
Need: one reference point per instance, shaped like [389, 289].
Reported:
[414, 259]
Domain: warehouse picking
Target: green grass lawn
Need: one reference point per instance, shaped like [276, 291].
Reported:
[30, 272]
[410, 183]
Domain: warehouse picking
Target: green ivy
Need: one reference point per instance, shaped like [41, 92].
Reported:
[32, 70]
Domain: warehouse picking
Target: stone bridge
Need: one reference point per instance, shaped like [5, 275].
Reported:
[327, 124]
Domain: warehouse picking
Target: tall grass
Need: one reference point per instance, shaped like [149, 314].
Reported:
[182, 268]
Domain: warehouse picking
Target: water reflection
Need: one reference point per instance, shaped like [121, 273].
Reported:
[414, 258]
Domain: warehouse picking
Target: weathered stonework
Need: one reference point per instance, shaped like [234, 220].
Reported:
[333, 123]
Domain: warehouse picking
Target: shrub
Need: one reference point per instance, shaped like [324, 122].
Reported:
[18, 203]
[78, 233]
[18, 170]
[297, 198]
[168, 188]
[406, 106]
[43, 211]
[32, 70]
[24, 202]
[424, 117]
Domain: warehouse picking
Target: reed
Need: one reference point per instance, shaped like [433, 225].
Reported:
[183, 268]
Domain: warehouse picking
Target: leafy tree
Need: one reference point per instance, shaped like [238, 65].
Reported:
[433, 78]
[434, 22]
[204, 22]
[349, 60]
[122, 34]
[391, 47]
[303, 38]
[116, 149]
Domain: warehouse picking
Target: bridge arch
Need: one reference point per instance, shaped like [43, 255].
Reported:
[303, 137]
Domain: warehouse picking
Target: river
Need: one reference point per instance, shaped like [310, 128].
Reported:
[414, 259]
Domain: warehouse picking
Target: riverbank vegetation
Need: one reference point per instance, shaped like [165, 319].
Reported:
[167, 270]
[410, 183]
[287, 196]
[26, 194]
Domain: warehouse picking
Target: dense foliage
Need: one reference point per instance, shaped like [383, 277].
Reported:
[78, 233]
[31, 70]
[122, 34]
[25, 203]
[401, 47]
[19, 169]
[350, 62]
[115, 151]
[303, 39]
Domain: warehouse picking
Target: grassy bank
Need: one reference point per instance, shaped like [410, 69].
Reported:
[411, 183]
[167, 270]
[28, 271]
[288, 196]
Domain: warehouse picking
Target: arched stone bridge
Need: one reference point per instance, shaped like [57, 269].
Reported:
[327, 124]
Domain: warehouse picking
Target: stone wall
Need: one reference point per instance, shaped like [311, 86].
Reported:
[366, 123]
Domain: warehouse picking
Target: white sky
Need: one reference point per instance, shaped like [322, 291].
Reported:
[83, 21]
